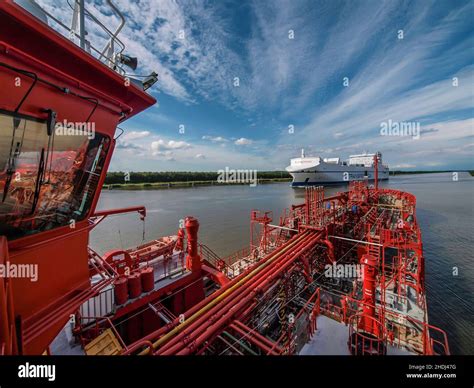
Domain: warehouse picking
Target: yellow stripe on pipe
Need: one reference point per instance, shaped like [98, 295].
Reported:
[211, 304]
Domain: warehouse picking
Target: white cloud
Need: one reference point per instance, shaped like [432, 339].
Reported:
[168, 154]
[243, 141]
[133, 135]
[161, 145]
[129, 146]
[215, 139]
[389, 79]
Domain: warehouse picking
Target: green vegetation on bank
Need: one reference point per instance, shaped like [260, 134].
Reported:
[168, 185]
[180, 176]
[177, 179]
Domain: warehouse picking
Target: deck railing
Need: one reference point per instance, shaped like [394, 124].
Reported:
[434, 341]
[77, 31]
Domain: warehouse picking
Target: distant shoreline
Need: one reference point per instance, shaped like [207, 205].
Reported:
[429, 172]
[180, 185]
[161, 180]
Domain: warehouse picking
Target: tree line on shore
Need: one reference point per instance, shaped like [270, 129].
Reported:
[178, 176]
[206, 176]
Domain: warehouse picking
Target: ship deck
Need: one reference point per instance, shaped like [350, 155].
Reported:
[103, 305]
[330, 339]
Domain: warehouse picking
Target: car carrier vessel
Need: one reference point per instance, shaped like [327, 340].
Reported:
[332, 275]
[313, 171]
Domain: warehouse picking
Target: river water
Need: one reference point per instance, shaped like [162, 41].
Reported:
[445, 212]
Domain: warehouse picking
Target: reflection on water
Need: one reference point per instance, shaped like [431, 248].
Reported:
[445, 213]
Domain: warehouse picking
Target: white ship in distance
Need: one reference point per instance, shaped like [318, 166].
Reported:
[309, 171]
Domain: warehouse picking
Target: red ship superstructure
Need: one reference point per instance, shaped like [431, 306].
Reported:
[50, 180]
[336, 275]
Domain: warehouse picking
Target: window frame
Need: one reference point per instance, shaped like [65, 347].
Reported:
[83, 217]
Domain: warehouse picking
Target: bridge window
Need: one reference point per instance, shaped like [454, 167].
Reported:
[45, 181]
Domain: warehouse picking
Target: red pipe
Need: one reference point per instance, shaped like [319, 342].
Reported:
[307, 269]
[180, 243]
[137, 345]
[289, 262]
[193, 261]
[238, 301]
[368, 297]
[260, 344]
[216, 276]
[257, 335]
[162, 330]
[204, 321]
[101, 213]
[330, 246]
[247, 311]
[326, 242]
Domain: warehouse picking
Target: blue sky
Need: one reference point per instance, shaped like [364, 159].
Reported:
[334, 71]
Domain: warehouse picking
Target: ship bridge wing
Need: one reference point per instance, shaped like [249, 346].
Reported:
[299, 164]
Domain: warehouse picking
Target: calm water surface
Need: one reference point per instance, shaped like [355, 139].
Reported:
[445, 213]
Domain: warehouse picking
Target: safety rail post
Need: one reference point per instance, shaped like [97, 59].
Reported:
[109, 55]
[333, 311]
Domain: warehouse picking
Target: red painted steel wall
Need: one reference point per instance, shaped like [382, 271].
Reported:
[61, 254]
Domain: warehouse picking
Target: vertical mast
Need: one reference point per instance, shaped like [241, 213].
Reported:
[376, 166]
